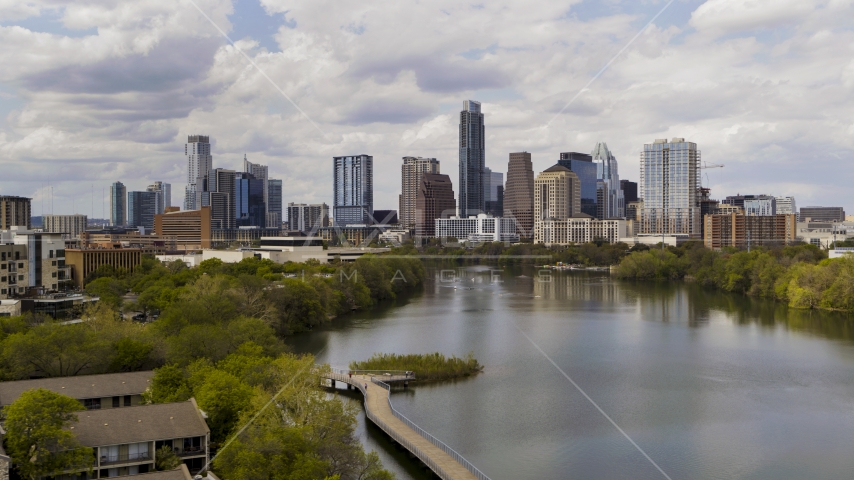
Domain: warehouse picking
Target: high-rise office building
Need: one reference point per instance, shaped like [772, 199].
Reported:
[15, 211]
[71, 225]
[472, 159]
[670, 188]
[307, 218]
[786, 205]
[557, 194]
[274, 204]
[221, 198]
[250, 210]
[410, 181]
[164, 196]
[259, 172]
[118, 204]
[435, 199]
[583, 166]
[141, 209]
[353, 190]
[199, 166]
[385, 217]
[493, 192]
[610, 202]
[519, 193]
[630, 191]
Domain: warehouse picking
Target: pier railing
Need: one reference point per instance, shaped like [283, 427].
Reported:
[435, 441]
[344, 376]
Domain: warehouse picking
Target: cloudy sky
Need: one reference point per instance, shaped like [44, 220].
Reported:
[95, 91]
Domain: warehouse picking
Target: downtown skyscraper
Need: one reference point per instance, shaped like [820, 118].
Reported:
[411, 171]
[670, 188]
[199, 166]
[609, 194]
[118, 204]
[472, 159]
[353, 190]
[519, 193]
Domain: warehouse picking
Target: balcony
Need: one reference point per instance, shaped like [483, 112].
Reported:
[124, 458]
[189, 451]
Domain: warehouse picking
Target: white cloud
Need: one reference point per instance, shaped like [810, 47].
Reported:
[387, 78]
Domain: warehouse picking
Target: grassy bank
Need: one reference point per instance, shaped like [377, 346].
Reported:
[427, 366]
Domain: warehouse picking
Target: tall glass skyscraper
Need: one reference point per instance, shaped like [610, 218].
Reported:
[472, 159]
[583, 166]
[353, 190]
[609, 198]
[118, 207]
[274, 204]
[250, 209]
[164, 196]
[199, 166]
[141, 209]
[670, 188]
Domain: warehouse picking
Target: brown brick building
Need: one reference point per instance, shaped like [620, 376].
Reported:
[84, 262]
[434, 199]
[734, 230]
[191, 229]
[15, 211]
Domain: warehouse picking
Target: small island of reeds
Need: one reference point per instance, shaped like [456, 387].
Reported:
[427, 366]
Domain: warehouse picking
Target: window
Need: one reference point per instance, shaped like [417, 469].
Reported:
[116, 402]
[3, 291]
[20, 277]
[2, 279]
[53, 263]
[20, 265]
[92, 403]
[50, 255]
[127, 400]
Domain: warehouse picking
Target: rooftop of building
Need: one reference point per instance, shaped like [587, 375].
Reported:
[143, 423]
[80, 387]
[180, 473]
[557, 168]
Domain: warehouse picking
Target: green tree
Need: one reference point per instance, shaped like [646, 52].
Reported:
[130, 355]
[168, 385]
[38, 438]
[166, 459]
[223, 397]
[108, 289]
[54, 350]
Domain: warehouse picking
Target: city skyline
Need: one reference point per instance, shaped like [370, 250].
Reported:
[404, 98]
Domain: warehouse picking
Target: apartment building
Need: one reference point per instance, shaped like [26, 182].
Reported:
[70, 225]
[15, 211]
[95, 392]
[736, 230]
[14, 271]
[478, 229]
[580, 229]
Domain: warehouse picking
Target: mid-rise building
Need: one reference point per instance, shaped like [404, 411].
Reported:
[670, 188]
[307, 218]
[221, 199]
[581, 229]
[45, 267]
[739, 231]
[435, 199]
[822, 214]
[353, 190]
[583, 167]
[472, 159]
[630, 191]
[786, 205]
[493, 193]
[14, 270]
[274, 204]
[199, 166]
[190, 229]
[142, 208]
[477, 229]
[163, 196]
[519, 193]
[15, 212]
[70, 225]
[85, 261]
[410, 181]
[610, 202]
[118, 204]
[753, 204]
[95, 392]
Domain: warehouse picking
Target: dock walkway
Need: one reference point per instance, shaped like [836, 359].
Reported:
[438, 457]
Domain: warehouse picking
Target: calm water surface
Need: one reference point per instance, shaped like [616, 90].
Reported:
[709, 385]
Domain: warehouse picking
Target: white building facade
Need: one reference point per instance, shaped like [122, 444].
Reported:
[582, 229]
[478, 229]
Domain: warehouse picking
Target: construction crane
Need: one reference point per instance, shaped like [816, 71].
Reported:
[710, 165]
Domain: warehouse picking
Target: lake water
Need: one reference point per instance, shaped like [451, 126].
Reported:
[709, 385]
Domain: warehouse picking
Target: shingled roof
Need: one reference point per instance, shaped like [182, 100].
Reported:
[180, 473]
[80, 387]
[143, 423]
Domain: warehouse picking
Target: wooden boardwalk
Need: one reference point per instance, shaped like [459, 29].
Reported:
[438, 457]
